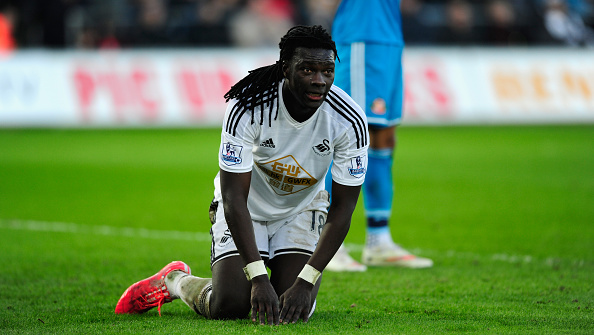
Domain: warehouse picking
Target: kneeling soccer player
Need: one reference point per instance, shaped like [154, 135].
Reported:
[283, 126]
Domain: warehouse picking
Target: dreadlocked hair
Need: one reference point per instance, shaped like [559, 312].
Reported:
[260, 87]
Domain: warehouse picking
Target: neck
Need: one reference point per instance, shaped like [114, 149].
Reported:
[298, 112]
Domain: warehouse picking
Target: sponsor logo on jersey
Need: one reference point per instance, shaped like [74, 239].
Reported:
[268, 143]
[322, 149]
[286, 176]
[231, 154]
[378, 106]
[357, 169]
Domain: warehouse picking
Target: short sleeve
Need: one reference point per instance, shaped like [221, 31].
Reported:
[350, 164]
[237, 141]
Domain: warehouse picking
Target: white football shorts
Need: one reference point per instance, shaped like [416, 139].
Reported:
[298, 233]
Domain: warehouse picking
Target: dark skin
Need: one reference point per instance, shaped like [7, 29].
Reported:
[309, 76]
[382, 138]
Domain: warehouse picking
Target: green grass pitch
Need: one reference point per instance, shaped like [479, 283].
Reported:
[506, 213]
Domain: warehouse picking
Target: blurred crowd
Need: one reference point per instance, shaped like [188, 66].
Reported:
[91, 24]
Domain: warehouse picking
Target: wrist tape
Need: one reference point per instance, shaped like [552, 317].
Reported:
[255, 269]
[309, 274]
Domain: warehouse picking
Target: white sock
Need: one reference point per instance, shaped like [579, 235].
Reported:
[194, 291]
[172, 282]
[378, 237]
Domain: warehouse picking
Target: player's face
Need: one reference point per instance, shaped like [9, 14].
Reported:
[309, 76]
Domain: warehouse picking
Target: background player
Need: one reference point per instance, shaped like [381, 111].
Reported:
[284, 125]
[368, 36]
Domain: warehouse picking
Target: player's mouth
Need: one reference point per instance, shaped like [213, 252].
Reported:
[315, 96]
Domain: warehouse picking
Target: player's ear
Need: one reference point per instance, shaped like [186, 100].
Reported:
[285, 68]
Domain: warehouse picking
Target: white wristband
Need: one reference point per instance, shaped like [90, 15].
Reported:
[309, 274]
[255, 269]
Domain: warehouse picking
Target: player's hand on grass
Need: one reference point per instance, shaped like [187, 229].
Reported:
[264, 301]
[296, 302]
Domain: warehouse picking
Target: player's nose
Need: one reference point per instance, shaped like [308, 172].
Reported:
[318, 79]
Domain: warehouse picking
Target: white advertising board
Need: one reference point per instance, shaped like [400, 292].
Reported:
[499, 85]
[139, 88]
[186, 87]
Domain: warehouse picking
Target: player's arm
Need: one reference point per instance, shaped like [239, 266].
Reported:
[235, 189]
[344, 200]
[296, 301]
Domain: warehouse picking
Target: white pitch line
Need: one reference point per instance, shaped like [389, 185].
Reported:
[499, 257]
[76, 228]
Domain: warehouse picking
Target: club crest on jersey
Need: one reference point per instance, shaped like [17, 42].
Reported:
[231, 153]
[226, 239]
[322, 149]
[357, 169]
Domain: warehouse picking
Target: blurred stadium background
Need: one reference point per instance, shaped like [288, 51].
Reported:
[99, 24]
[169, 62]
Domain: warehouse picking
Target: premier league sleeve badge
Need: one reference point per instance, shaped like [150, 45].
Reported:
[358, 168]
[231, 153]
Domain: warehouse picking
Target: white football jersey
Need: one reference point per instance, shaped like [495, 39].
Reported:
[289, 159]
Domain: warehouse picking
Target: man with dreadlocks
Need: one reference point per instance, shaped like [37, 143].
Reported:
[283, 126]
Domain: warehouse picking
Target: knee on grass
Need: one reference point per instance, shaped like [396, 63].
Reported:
[229, 307]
